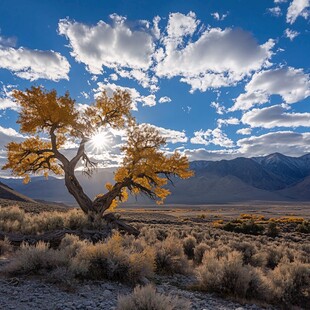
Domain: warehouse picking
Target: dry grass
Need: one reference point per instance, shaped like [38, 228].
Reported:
[146, 298]
[15, 219]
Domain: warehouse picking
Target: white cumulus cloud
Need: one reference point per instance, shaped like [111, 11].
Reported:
[112, 45]
[297, 8]
[217, 58]
[6, 99]
[136, 97]
[34, 64]
[171, 135]
[290, 34]
[227, 121]
[164, 99]
[276, 11]
[218, 16]
[209, 136]
[291, 84]
[275, 116]
[286, 142]
[244, 131]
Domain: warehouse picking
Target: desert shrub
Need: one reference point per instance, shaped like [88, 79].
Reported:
[272, 230]
[149, 234]
[51, 221]
[248, 227]
[274, 255]
[225, 275]
[146, 298]
[161, 234]
[304, 227]
[35, 259]
[110, 260]
[258, 287]
[199, 250]
[71, 245]
[12, 214]
[199, 236]
[10, 219]
[259, 259]
[189, 244]
[290, 283]
[5, 246]
[247, 249]
[169, 257]
[75, 219]
[63, 277]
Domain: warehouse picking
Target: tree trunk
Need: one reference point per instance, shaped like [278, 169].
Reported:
[95, 209]
[75, 189]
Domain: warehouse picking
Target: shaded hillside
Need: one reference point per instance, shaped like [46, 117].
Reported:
[245, 169]
[299, 191]
[217, 189]
[7, 192]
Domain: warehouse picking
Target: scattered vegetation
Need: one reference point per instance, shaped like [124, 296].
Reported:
[273, 267]
[15, 219]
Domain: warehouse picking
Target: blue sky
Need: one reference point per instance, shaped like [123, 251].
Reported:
[220, 79]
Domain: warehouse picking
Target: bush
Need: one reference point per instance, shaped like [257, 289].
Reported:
[272, 230]
[170, 258]
[112, 261]
[189, 244]
[247, 249]
[224, 275]
[146, 298]
[35, 259]
[199, 251]
[290, 283]
[248, 227]
[304, 227]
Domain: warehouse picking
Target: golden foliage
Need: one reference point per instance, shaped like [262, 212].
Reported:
[146, 166]
[41, 110]
[112, 111]
[31, 156]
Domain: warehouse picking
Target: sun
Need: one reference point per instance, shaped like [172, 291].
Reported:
[100, 140]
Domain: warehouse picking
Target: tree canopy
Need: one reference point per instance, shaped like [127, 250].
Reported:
[50, 121]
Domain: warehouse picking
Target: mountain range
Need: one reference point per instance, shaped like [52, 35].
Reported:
[275, 177]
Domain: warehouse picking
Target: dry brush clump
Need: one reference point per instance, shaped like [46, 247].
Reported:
[290, 283]
[36, 259]
[113, 261]
[170, 257]
[146, 298]
[225, 275]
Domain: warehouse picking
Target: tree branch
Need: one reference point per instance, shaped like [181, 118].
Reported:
[58, 155]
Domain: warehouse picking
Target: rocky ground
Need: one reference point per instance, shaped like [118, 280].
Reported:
[36, 294]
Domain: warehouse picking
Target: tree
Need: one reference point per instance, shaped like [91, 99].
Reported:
[53, 120]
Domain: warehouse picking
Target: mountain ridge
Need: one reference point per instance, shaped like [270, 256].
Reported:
[275, 177]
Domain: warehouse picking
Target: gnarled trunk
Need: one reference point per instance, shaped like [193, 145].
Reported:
[76, 190]
[95, 209]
